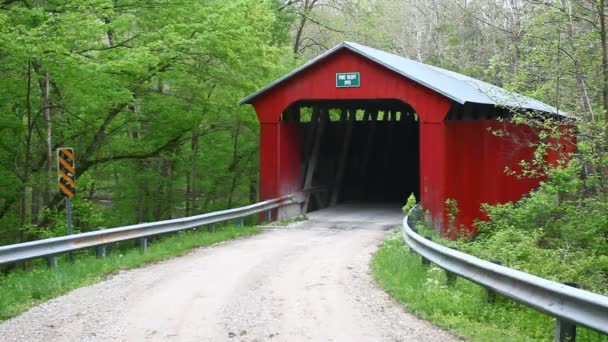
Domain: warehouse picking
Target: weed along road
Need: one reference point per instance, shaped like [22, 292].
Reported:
[309, 281]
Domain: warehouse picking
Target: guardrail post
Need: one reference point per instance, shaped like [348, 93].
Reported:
[211, 228]
[241, 222]
[51, 261]
[565, 331]
[425, 261]
[491, 294]
[268, 215]
[451, 277]
[143, 244]
[100, 251]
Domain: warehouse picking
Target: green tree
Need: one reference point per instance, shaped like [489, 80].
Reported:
[144, 92]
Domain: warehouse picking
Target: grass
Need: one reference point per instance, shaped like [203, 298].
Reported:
[22, 289]
[462, 308]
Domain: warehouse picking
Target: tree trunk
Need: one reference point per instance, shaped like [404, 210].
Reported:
[188, 193]
[142, 198]
[46, 106]
[234, 165]
[161, 198]
[298, 38]
[602, 17]
[253, 190]
[35, 205]
[579, 74]
[584, 103]
[194, 173]
[28, 148]
[171, 167]
[305, 10]
[22, 205]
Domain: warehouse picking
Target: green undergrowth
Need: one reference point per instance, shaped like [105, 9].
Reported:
[21, 289]
[461, 308]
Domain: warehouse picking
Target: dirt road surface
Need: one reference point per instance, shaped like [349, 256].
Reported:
[307, 282]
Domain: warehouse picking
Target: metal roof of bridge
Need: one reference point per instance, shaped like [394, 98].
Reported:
[455, 86]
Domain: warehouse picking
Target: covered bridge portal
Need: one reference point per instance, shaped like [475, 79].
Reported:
[357, 123]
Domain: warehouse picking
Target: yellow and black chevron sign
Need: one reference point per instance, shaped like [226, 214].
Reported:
[67, 171]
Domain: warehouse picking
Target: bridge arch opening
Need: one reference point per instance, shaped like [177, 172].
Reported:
[363, 150]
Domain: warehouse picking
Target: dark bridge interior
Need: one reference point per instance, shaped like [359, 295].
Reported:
[361, 150]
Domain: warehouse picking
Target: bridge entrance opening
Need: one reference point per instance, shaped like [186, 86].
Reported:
[356, 150]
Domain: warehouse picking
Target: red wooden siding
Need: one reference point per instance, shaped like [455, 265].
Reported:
[319, 83]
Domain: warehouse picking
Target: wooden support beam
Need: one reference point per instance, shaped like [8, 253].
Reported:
[309, 142]
[343, 115]
[292, 114]
[318, 197]
[298, 115]
[371, 119]
[343, 156]
[389, 143]
[372, 122]
[312, 163]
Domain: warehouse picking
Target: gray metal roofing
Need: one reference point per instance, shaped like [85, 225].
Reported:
[455, 86]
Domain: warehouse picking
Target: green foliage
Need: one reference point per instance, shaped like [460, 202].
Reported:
[451, 208]
[461, 308]
[145, 93]
[411, 202]
[544, 233]
[21, 289]
[553, 233]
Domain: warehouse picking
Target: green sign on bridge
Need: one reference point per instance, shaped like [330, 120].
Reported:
[348, 80]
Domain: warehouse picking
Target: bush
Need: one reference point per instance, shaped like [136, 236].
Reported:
[554, 233]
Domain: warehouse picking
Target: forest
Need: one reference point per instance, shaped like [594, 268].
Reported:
[145, 91]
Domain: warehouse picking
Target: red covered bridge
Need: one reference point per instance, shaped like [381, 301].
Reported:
[360, 124]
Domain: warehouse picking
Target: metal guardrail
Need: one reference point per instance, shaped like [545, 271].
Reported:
[54, 246]
[570, 306]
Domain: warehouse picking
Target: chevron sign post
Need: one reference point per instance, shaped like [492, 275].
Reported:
[66, 171]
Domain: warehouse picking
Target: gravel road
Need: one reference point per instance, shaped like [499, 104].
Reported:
[306, 282]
